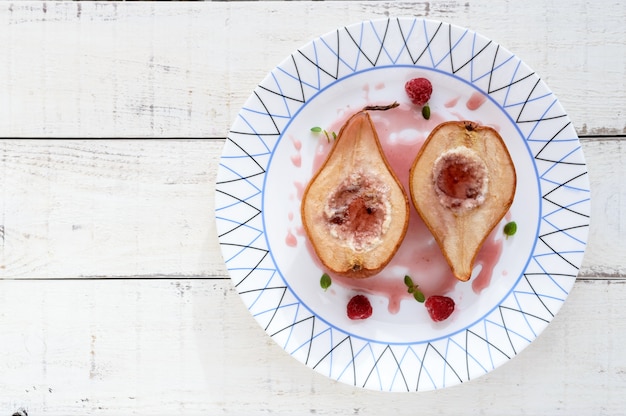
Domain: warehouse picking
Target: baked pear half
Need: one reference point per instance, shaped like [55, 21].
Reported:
[462, 183]
[354, 210]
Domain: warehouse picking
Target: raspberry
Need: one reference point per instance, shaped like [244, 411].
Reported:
[419, 90]
[439, 307]
[359, 307]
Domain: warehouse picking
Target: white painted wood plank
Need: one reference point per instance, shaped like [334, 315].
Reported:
[185, 69]
[174, 347]
[108, 208]
[133, 208]
[606, 253]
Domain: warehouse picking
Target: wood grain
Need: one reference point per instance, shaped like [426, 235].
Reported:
[129, 346]
[109, 208]
[109, 69]
[142, 208]
[114, 298]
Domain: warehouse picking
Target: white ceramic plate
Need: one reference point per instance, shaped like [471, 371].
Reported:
[519, 282]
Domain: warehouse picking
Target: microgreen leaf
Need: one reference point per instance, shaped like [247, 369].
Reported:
[325, 281]
[419, 296]
[426, 111]
[510, 228]
[408, 281]
[414, 289]
[318, 129]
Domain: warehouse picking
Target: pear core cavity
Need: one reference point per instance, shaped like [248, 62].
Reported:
[461, 179]
[357, 212]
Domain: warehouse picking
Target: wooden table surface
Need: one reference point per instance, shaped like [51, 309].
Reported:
[114, 298]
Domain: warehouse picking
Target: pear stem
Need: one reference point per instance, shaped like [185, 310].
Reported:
[381, 107]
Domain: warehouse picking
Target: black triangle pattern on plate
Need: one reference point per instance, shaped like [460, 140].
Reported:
[501, 333]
